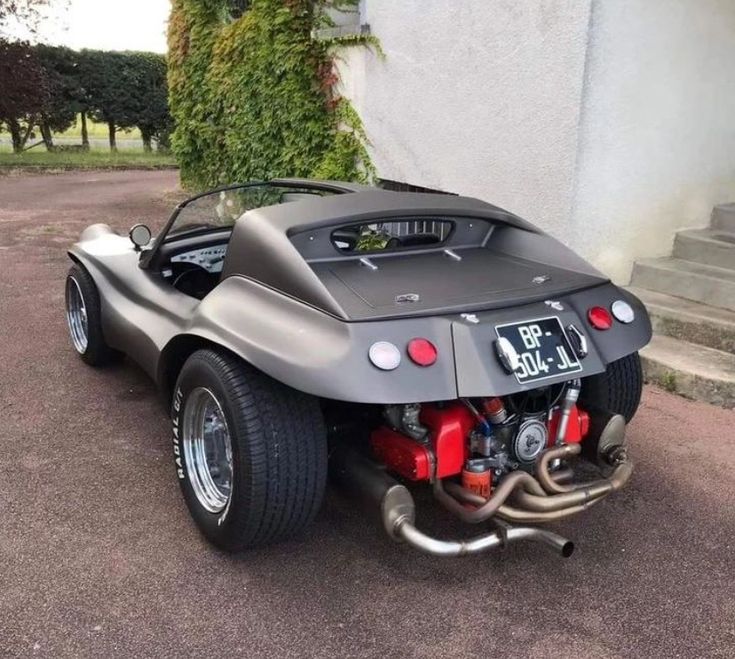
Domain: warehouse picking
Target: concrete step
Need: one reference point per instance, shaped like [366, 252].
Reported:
[694, 281]
[709, 246]
[689, 321]
[723, 217]
[690, 370]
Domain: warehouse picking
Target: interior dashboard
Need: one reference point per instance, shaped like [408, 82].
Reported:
[210, 258]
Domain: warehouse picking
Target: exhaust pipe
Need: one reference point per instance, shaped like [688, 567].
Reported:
[506, 535]
[551, 498]
[371, 483]
[604, 445]
[364, 479]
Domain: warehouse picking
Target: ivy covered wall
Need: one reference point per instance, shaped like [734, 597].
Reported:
[253, 93]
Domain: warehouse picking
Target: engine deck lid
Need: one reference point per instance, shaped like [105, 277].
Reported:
[438, 281]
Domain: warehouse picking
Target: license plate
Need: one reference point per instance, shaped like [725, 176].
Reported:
[543, 349]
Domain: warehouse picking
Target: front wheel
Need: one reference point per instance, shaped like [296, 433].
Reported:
[618, 389]
[84, 318]
[250, 453]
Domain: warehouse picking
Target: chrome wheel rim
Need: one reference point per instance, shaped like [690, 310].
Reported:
[207, 450]
[76, 315]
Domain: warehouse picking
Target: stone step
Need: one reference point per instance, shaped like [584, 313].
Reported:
[694, 281]
[709, 246]
[690, 370]
[723, 217]
[689, 321]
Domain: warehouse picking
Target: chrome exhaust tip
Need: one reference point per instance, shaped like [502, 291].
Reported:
[560, 545]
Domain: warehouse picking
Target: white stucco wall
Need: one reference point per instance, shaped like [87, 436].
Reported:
[610, 123]
[480, 97]
[657, 145]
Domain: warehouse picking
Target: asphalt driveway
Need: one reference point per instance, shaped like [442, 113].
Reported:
[98, 556]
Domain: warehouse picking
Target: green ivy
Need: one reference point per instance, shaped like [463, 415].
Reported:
[253, 94]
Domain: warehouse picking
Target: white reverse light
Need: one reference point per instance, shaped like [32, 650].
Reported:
[384, 355]
[623, 311]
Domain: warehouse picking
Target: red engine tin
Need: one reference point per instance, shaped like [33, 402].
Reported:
[579, 425]
[450, 427]
[401, 454]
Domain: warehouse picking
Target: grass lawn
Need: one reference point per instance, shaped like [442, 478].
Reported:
[94, 130]
[97, 130]
[130, 155]
[94, 159]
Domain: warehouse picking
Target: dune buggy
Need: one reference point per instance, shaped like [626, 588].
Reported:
[398, 340]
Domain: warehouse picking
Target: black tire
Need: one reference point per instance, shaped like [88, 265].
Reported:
[618, 389]
[96, 352]
[278, 452]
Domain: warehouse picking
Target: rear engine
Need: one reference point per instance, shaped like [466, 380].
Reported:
[479, 440]
[503, 460]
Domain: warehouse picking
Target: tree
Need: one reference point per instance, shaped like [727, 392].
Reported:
[65, 91]
[48, 86]
[149, 102]
[109, 90]
[25, 12]
[24, 90]
[125, 90]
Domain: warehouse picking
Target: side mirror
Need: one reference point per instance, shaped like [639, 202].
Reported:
[140, 236]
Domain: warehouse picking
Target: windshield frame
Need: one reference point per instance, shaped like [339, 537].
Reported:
[148, 256]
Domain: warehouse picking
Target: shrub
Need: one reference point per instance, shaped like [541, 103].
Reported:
[252, 94]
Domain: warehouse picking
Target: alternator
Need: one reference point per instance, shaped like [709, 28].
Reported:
[530, 440]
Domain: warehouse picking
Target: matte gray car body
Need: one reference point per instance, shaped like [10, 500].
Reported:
[289, 303]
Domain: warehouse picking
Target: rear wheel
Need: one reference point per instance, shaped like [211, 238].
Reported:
[618, 389]
[84, 318]
[251, 453]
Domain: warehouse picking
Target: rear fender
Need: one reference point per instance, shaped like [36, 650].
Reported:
[317, 353]
[327, 357]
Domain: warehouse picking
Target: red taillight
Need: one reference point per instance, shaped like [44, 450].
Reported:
[422, 352]
[600, 318]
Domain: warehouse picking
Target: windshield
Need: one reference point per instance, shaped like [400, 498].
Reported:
[220, 209]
